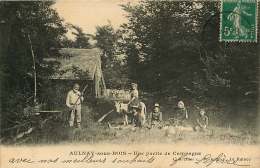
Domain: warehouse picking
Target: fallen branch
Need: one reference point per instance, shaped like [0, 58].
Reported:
[22, 134]
[104, 116]
[112, 127]
[14, 127]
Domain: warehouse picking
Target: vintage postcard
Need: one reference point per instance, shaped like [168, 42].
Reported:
[129, 83]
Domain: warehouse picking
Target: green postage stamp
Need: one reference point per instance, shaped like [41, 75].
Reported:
[238, 21]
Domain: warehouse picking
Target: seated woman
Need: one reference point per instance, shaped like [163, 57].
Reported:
[156, 117]
[202, 121]
[180, 116]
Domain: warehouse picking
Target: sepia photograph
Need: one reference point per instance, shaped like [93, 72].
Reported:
[129, 83]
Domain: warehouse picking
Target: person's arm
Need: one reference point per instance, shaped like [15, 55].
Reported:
[246, 13]
[207, 121]
[68, 100]
[150, 118]
[135, 95]
[186, 114]
[198, 121]
[160, 117]
[131, 100]
[81, 97]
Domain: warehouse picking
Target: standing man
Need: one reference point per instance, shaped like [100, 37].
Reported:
[73, 101]
[134, 101]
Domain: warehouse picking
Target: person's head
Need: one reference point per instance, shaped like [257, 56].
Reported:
[202, 112]
[239, 3]
[181, 105]
[76, 87]
[133, 86]
[156, 107]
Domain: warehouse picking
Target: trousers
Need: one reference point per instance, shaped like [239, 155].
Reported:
[76, 113]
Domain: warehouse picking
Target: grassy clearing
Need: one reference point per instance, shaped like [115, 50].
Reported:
[130, 135]
[55, 132]
[100, 133]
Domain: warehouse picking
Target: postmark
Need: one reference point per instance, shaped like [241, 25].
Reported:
[238, 21]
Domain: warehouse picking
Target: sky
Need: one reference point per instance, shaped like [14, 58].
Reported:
[90, 13]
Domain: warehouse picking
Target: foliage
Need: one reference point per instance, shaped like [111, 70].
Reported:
[173, 48]
[113, 64]
[21, 20]
[81, 38]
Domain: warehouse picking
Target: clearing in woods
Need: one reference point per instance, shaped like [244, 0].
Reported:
[92, 132]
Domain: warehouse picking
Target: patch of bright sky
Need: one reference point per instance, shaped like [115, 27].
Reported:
[88, 14]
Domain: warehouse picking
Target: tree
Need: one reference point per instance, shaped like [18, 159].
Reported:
[173, 48]
[45, 28]
[108, 40]
[156, 40]
[81, 40]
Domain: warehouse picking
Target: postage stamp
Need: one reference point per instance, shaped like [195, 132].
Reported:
[238, 21]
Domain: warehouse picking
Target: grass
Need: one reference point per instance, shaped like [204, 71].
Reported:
[54, 132]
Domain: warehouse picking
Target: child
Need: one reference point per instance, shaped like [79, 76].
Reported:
[156, 116]
[202, 121]
[134, 101]
[135, 116]
[181, 113]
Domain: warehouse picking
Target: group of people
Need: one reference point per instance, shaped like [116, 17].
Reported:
[178, 118]
[155, 118]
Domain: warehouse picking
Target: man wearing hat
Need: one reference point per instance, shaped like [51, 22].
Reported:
[73, 101]
[156, 116]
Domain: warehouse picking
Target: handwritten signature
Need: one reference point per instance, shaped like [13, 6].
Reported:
[222, 158]
[184, 157]
[209, 160]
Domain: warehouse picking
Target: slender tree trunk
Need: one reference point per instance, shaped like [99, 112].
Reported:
[34, 71]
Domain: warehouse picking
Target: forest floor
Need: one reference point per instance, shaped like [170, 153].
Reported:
[55, 132]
